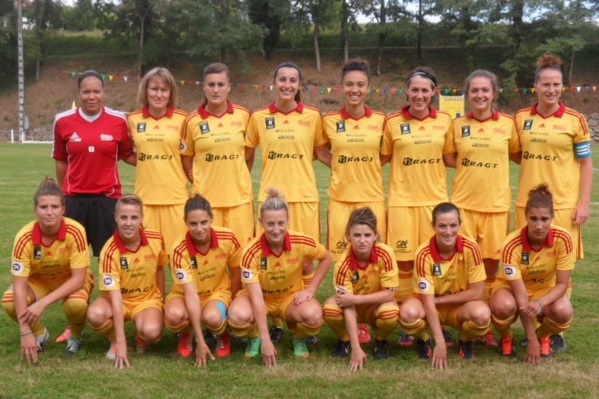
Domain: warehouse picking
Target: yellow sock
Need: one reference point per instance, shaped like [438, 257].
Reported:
[387, 318]
[335, 318]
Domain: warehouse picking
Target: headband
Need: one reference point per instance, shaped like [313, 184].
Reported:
[423, 74]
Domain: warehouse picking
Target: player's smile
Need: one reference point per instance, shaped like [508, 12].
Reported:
[355, 87]
[447, 226]
[275, 225]
[128, 218]
[198, 222]
[420, 94]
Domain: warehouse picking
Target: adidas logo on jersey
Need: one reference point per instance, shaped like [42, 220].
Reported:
[75, 138]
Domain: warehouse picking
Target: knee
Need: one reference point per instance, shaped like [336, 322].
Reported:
[96, 315]
[562, 311]
[311, 313]
[481, 315]
[173, 316]
[152, 332]
[409, 314]
[503, 306]
[240, 314]
[212, 318]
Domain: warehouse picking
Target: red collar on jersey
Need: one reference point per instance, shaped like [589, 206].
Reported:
[405, 110]
[526, 247]
[205, 113]
[121, 246]
[37, 233]
[146, 112]
[558, 114]
[345, 115]
[266, 251]
[459, 247]
[353, 262]
[299, 108]
[494, 116]
[193, 251]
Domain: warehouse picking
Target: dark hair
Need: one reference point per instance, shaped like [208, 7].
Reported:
[129, 199]
[289, 64]
[274, 201]
[483, 73]
[197, 203]
[363, 216]
[48, 186]
[424, 72]
[356, 65]
[540, 197]
[160, 74]
[216, 67]
[86, 74]
[445, 207]
[548, 61]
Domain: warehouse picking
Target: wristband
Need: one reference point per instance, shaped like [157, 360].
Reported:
[541, 307]
[24, 334]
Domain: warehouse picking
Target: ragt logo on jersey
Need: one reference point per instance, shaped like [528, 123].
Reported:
[124, 264]
[510, 271]
[424, 285]
[340, 126]
[404, 128]
[437, 269]
[246, 275]
[17, 267]
[181, 275]
[108, 281]
[527, 124]
[270, 123]
[141, 127]
[37, 252]
[525, 258]
[279, 155]
[204, 128]
[466, 131]
[263, 263]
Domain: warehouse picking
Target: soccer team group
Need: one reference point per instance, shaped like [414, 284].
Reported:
[418, 261]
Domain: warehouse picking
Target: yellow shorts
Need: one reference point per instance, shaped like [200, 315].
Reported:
[166, 219]
[561, 218]
[448, 315]
[222, 296]
[531, 295]
[487, 229]
[337, 218]
[407, 228]
[274, 308]
[304, 217]
[41, 290]
[133, 307]
[239, 218]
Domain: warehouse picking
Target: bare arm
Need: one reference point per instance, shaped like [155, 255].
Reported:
[28, 343]
[527, 311]
[450, 159]
[322, 269]
[61, 171]
[581, 213]
[269, 353]
[160, 280]
[250, 154]
[473, 293]
[187, 162]
[131, 160]
[323, 155]
[516, 157]
[194, 310]
[116, 301]
[385, 159]
[432, 317]
[235, 276]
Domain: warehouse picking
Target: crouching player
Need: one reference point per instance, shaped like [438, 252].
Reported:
[536, 263]
[132, 283]
[50, 262]
[366, 279]
[206, 274]
[272, 276]
[449, 283]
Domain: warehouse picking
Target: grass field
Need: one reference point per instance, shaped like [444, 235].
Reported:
[161, 373]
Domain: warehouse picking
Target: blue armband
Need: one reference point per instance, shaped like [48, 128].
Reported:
[582, 150]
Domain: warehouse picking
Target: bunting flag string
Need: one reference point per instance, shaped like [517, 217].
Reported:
[327, 89]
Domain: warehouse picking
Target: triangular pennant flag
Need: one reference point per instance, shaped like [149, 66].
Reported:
[594, 88]
[126, 78]
[578, 89]
[73, 106]
[110, 77]
[524, 90]
[270, 87]
[393, 90]
[328, 89]
[73, 74]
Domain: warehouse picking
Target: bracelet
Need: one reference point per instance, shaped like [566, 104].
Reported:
[541, 307]
[24, 334]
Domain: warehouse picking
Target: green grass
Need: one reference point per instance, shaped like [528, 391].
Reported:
[162, 374]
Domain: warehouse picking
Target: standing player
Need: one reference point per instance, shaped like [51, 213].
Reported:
[132, 283]
[50, 262]
[214, 136]
[88, 142]
[289, 133]
[536, 264]
[484, 140]
[365, 279]
[273, 285]
[556, 150]
[416, 140]
[205, 269]
[449, 284]
[155, 129]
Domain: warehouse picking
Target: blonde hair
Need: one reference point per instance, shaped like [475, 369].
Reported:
[163, 75]
[274, 201]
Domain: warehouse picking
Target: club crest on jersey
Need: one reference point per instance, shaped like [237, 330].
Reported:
[525, 258]
[509, 271]
[108, 281]
[17, 267]
[141, 127]
[181, 275]
[466, 131]
[246, 275]
[340, 126]
[436, 269]
[194, 262]
[204, 128]
[270, 123]
[355, 277]
[404, 128]
[37, 252]
[423, 285]
[263, 263]
[527, 124]
[124, 264]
